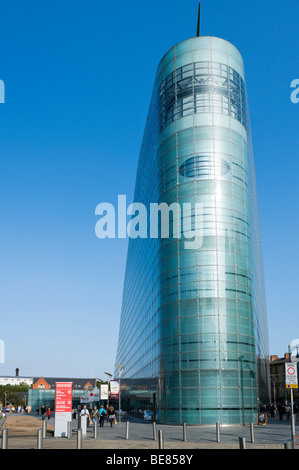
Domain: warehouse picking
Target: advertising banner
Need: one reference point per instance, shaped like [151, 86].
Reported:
[83, 398]
[94, 395]
[63, 397]
[63, 407]
[90, 396]
[104, 392]
[114, 389]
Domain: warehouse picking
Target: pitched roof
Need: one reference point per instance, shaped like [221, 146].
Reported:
[78, 383]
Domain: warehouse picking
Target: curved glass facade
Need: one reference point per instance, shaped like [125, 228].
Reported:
[193, 325]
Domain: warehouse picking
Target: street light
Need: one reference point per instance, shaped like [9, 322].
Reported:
[121, 368]
[294, 345]
[109, 375]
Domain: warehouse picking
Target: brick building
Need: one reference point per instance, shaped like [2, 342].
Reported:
[43, 390]
[279, 393]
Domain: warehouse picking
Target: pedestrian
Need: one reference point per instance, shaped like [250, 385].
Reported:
[37, 411]
[272, 412]
[49, 413]
[95, 415]
[268, 411]
[43, 411]
[111, 415]
[84, 411]
[281, 412]
[102, 416]
[4, 411]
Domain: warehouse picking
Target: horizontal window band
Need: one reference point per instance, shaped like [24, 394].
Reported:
[220, 407]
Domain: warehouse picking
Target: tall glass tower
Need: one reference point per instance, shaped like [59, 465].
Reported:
[193, 326]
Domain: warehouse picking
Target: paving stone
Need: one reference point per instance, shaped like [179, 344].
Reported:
[272, 436]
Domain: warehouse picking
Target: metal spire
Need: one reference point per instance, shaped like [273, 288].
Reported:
[198, 21]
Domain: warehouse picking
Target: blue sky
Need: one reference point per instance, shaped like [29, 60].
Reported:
[78, 79]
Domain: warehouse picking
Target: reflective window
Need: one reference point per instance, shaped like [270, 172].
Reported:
[203, 167]
[202, 87]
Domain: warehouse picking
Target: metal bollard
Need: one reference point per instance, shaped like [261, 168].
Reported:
[161, 443]
[69, 429]
[154, 431]
[293, 428]
[242, 442]
[44, 429]
[95, 423]
[218, 432]
[79, 439]
[5, 438]
[40, 438]
[289, 445]
[185, 432]
[127, 430]
[252, 432]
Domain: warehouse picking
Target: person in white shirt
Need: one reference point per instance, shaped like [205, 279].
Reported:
[85, 411]
[288, 409]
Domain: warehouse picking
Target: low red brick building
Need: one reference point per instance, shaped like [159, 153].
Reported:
[279, 392]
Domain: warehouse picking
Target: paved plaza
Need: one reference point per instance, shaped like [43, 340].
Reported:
[22, 432]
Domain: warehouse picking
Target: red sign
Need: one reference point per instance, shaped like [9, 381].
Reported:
[63, 397]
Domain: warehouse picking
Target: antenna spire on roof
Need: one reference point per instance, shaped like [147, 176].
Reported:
[198, 21]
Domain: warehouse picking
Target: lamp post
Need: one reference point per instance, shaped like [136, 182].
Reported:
[121, 368]
[109, 375]
[294, 345]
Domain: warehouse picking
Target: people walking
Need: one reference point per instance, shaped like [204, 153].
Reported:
[49, 413]
[84, 411]
[111, 415]
[281, 412]
[272, 411]
[288, 410]
[102, 416]
[95, 415]
[43, 411]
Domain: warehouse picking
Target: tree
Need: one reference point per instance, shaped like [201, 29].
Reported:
[14, 393]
